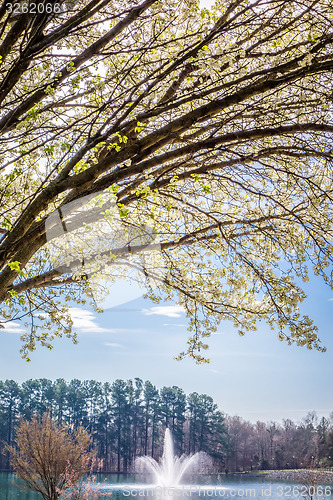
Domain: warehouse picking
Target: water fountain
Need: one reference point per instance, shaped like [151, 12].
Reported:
[171, 468]
[167, 475]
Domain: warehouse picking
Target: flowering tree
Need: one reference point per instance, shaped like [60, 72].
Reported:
[50, 457]
[82, 489]
[206, 133]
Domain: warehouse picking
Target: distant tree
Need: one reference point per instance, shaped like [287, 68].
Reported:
[37, 397]
[273, 431]
[206, 426]
[151, 416]
[263, 444]
[103, 426]
[60, 398]
[10, 399]
[76, 403]
[137, 418]
[173, 405]
[50, 456]
[329, 447]
[93, 400]
[241, 443]
[121, 420]
[322, 431]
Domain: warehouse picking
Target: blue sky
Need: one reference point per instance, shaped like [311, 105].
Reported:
[256, 376]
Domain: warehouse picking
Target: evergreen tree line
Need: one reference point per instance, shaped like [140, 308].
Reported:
[128, 418]
[125, 418]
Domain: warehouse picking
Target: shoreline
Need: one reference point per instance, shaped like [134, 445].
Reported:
[301, 475]
[318, 475]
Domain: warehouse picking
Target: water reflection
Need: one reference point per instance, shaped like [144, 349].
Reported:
[206, 487]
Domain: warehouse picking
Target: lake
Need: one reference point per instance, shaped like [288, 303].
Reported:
[207, 487]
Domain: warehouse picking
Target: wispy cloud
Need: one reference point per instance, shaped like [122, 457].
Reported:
[169, 311]
[12, 327]
[85, 321]
[174, 324]
[112, 344]
[128, 330]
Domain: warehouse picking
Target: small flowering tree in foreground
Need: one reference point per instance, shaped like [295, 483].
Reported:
[52, 458]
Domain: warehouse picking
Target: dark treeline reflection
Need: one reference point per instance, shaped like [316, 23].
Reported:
[128, 419]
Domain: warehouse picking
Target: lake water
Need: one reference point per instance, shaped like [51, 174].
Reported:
[207, 487]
